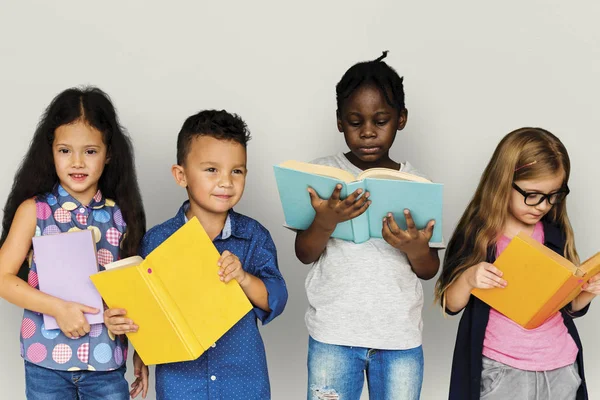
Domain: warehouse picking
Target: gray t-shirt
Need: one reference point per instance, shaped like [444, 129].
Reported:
[364, 295]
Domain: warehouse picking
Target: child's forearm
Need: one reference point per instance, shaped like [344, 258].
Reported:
[425, 265]
[582, 300]
[311, 243]
[16, 291]
[256, 291]
[458, 293]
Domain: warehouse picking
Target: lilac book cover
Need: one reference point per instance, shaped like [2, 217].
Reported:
[64, 264]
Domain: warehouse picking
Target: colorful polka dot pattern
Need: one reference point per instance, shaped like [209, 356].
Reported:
[98, 351]
[235, 368]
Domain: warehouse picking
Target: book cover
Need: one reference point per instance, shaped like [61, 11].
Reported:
[390, 191]
[175, 296]
[539, 281]
[64, 264]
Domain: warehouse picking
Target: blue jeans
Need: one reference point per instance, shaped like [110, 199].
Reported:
[338, 372]
[48, 384]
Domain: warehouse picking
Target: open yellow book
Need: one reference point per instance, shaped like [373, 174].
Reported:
[175, 296]
[390, 191]
[539, 281]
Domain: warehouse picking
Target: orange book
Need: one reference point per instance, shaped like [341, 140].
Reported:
[539, 281]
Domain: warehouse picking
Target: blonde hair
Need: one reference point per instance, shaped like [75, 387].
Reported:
[526, 153]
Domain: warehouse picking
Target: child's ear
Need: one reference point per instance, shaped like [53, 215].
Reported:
[338, 117]
[179, 175]
[402, 119]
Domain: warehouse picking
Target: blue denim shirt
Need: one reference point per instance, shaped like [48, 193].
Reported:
[236, 366]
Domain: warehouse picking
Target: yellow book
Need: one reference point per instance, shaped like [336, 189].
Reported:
[539, 281]
[175, 296]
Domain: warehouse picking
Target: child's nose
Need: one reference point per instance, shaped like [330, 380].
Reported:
[77, 160]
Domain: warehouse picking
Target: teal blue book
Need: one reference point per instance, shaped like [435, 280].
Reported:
[390, 192]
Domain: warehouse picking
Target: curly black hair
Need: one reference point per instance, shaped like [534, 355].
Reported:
[218, 124]
[377, 73]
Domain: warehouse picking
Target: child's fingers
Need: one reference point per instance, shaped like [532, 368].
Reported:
[360, 201]
[355, 213]
[315, 200]
[335, 195]
[411, 228]
[497, 281]
[492, 268]
[113, 312]
[428, 231]
[350, 200]
[224, 255]
[395, 229]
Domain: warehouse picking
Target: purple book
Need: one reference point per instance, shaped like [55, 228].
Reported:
[64, 264]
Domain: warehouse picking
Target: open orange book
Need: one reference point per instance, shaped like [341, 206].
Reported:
[175, 296]
[539, 281]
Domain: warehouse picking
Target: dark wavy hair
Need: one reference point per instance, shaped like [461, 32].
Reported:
[218, 124]
[37, 175]
[376, 73]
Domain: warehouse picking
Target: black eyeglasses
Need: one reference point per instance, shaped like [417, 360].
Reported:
[535, 198]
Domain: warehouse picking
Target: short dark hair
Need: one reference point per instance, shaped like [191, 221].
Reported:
[218, 124]
[376, 73]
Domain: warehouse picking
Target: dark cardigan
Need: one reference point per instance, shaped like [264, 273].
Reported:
[465, 380]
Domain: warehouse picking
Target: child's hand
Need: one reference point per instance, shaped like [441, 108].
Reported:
[484, 276]
[411, 241]
[333, 211]
[231, 268]
[140, 371]
[71, 321]
[117, 323]
[593, 285]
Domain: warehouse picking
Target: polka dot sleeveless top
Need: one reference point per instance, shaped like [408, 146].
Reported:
[100, 350]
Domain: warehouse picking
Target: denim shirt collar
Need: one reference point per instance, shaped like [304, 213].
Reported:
[232, 227]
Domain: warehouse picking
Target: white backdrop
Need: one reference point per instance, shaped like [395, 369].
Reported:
[473, 72]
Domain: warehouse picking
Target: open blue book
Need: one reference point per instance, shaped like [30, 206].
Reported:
[390, 191]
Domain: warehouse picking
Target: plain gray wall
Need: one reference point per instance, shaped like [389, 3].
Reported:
[473, 72]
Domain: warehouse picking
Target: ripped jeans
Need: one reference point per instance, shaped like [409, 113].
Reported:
[338, 372]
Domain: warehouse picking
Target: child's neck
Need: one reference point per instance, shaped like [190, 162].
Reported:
[383, 162]
[212, 223]
[513, 227]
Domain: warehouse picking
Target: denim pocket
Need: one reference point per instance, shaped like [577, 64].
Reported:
[491, 376]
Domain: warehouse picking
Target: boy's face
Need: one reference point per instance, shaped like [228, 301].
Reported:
[214, 174]
[369, 123]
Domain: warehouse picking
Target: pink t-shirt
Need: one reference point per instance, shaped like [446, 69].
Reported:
[544, 348]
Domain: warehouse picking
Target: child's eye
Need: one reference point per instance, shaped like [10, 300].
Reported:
[63, 151]
[211, 169]
[91, 151]
[382, 123]
[238, 172]
[354, 123]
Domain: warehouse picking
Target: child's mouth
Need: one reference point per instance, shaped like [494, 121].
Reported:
[369, 150]
[78, 177]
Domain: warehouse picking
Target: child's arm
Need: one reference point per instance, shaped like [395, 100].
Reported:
[483, 276]
[253, 287]
[424, 261]
[311, 243]
[14, 251]
[590, 290]
[140, 371]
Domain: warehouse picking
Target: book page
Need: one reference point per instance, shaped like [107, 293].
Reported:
[386, 173]
[591, 266]
[323, 170]
[126, 262]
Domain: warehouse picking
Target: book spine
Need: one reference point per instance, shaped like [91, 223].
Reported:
[171, 310]
[555, 303]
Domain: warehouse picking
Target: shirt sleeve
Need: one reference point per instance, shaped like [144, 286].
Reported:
[263, 265]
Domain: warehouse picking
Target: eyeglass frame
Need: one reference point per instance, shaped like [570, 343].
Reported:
[545, 196]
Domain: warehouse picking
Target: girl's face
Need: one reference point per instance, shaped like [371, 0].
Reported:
[369, 125]
[525, 215]
[79, 158]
